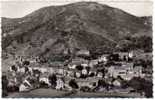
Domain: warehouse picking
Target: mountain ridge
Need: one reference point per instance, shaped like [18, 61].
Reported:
[82, 25]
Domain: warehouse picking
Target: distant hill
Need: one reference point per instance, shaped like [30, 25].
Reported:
[82, 25]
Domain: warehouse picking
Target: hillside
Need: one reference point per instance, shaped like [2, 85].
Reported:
[82, 25]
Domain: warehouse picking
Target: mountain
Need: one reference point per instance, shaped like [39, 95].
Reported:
[82, 25]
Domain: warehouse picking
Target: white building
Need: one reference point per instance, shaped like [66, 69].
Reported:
[100, 75]
[84, 65]
[117, 83]
[84, 72]
[83, 52]
[44, 79]
[92, 63]
[77, 74]
[21, 70]
[72, 66]
[60, 84]
[43, 70]
[103, 58]
[127, 72]
[24, 87]
[130, 54]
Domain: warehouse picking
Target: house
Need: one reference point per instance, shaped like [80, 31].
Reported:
[25, 70]
[99, 75]
[135, 53]
[43, 70]
[24, 87]
[51, 70]
[22, 70]
[4, 35]
[59, 84]
[84, 72]
[83, 53]
[26, 84]
[60, 71]
[131, 54]
[79, 61]
[117, 82]
[122, 55]
[77, 74]
[138, 71]
[30, 70]
[84, 65]
[70, 73]
[126, 71]
[116, 71]
[92, 63]
[71, 66]
[44, 79]
[103, 58]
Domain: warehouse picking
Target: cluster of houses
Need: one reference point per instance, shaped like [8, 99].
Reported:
[126, 71]
[79, 73]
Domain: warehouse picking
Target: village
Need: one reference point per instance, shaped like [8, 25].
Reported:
[107, 73]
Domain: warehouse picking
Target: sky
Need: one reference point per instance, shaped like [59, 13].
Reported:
[19, 8]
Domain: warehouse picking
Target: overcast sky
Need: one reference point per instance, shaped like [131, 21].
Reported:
[18, 8]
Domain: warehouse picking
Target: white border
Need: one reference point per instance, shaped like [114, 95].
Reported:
[91, 98]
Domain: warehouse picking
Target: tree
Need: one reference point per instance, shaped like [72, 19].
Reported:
[79, 67]
[52, 79]
[4, 86]
[142, 85]
[73, 84]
